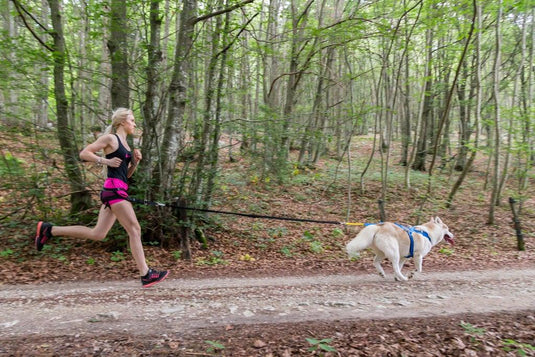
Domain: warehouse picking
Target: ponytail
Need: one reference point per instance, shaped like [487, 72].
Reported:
[118, 116]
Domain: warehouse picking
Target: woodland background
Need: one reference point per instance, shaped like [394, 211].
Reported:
[275, 85]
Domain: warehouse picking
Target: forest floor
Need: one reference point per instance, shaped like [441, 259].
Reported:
[265, 287]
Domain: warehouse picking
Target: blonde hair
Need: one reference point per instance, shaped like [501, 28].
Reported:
[118, 116]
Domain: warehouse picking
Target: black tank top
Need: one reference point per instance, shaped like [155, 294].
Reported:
[123, 154]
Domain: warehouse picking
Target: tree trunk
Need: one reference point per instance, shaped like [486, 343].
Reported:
[320, 141]
[426, 114]
[406, 116]
[299, 21]
[464, 118]
[526, 99]
[41, 105]
[9, 95]
[151, 106]
[312, 140]
[80, 197]
[103, 85]
[497, 118]
[173, 131]
[117, 45]
[476, 85]
[213, 154]
[206, 127]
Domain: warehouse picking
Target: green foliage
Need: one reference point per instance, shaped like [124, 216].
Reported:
[258, 226]
[287, 251]
[316, 246]
[90, 261]
[6, 253]
[521, 349]
[308, 236]
[277, 232]
[322, 345]
[177, 254]
[215, 259]
[263, 243]
[446, 251]
[337, 232]
[10, 168]
[57, 251]
[214, 346]
[117, 256]
[471, 329]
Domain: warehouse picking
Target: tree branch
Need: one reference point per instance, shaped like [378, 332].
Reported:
[220, 12]
[227, 47]
[20, 10]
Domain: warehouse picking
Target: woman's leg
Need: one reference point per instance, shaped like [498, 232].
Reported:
[127, 217]
[106, 219]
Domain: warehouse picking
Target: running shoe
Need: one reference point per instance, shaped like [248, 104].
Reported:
[44, 233]
[153, 277]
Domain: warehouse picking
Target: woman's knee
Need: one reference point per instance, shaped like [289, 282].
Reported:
[134, 230]
[97, 234]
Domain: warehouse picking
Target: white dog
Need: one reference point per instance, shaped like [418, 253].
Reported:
[397, 243]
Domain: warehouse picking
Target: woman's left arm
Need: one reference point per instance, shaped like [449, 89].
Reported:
[135, 161]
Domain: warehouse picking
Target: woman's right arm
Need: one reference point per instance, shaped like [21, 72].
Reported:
[89, 152]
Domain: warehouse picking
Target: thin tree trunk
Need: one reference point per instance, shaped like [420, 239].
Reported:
[294, 76]
[80, 197]
[213, 154]
[41, 105]
[202, 138]
[173, 131]
[476, 84]
[151, 106]
[447, 104]
[10, 95]
[464, 118]
[526, 99]
[426, 115]
[103, 85]
[497, 118]
[406, 117]
[117, 45]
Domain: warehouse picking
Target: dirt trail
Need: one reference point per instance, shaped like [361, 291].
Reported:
[178, 304]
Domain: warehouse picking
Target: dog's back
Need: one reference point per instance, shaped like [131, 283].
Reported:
[362, 241]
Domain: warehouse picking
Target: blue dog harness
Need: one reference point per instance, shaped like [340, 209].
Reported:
[410, 230]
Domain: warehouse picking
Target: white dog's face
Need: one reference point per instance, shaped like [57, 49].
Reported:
[446, 234]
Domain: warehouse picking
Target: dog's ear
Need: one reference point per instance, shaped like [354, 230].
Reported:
[438, 220]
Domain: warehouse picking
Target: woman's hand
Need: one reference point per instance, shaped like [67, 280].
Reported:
[137, 156]
[135, 160]
[113, 162]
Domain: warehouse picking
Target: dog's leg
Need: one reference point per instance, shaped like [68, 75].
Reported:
[418, 265]
[396, 265]
[379, 256]
[401, 262]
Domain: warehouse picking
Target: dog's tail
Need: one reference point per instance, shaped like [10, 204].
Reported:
[362, 241]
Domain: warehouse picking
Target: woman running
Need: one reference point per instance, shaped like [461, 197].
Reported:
[121, 163]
